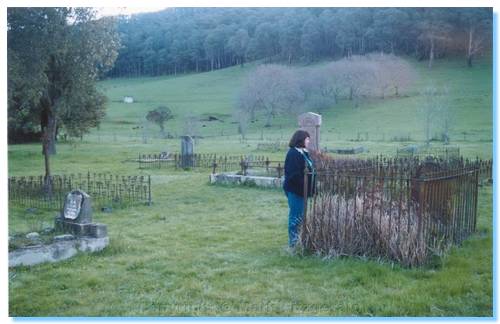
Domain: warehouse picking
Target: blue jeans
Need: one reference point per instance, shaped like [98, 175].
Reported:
[295, 216]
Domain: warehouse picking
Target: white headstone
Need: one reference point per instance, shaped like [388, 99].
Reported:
[73, 205]
[77, 207]
[311, 123]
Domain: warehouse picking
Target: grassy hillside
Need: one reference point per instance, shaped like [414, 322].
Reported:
[378, 121]
[215, 250]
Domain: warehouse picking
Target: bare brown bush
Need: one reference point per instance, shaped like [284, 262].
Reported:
[371, 226]
[403, 210]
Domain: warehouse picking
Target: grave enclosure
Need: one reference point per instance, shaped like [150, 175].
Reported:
[395, 209]
[75, 233]
[273, 176]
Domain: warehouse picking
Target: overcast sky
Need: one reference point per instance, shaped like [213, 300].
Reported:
[113, 11]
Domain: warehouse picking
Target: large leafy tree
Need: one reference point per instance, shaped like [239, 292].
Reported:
[387, 27]
[55, 57]
[160, 116]
[238, 44]
[290, 32]
[310, 41]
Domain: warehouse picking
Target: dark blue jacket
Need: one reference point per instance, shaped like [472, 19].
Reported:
[295, 164]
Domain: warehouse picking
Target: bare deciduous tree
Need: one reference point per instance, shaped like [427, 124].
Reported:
[319, 87]
[277, 89]
[242, 118]
[191, 126]
[273, 89]
[444, 118]
[435, 112]
[357, 76]
[391, 72]
[402, 75]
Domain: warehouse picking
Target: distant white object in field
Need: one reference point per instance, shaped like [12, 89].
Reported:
[128, 99]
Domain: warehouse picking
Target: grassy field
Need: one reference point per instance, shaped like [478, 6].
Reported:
[208, 250]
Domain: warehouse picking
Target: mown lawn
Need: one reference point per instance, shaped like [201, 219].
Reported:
[214, 250]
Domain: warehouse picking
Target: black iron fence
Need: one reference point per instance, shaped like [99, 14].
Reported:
[409, 166]
[214, 162]
[398, 211]
[443, 152]
[265, 168]
[105, 189]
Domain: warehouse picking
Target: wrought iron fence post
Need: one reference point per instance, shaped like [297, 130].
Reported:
[214, 165]
[88, 182]
[304, 214]
[149, 191]
[475, 199]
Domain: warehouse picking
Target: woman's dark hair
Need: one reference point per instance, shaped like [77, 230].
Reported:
[298, 138]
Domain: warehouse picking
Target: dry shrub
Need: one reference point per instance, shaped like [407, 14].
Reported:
[373, 226]
[404, 210]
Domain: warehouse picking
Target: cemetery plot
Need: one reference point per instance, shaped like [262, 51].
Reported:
[397, 209]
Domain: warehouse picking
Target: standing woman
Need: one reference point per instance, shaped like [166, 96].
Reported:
[296, 160]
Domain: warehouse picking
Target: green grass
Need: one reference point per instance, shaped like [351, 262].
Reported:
[214, 94]
[219, 250]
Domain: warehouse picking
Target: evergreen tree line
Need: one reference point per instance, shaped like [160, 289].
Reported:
[181, 40]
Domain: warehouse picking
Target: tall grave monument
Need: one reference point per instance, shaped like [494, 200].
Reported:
[187, 152]
[311, 123]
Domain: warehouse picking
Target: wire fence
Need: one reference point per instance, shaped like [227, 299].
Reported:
[105, 189]
[402, 210]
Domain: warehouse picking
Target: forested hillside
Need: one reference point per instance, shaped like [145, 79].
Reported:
[180, 40]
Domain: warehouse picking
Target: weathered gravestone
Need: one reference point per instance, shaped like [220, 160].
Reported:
[76, 219]
[311, 123]
[187, 152]
[76, 216]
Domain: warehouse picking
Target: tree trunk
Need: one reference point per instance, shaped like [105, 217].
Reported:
[162, 131]
[47, 181]
[49, 126]
[269, 117]
[469, 49]
[431, 53]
